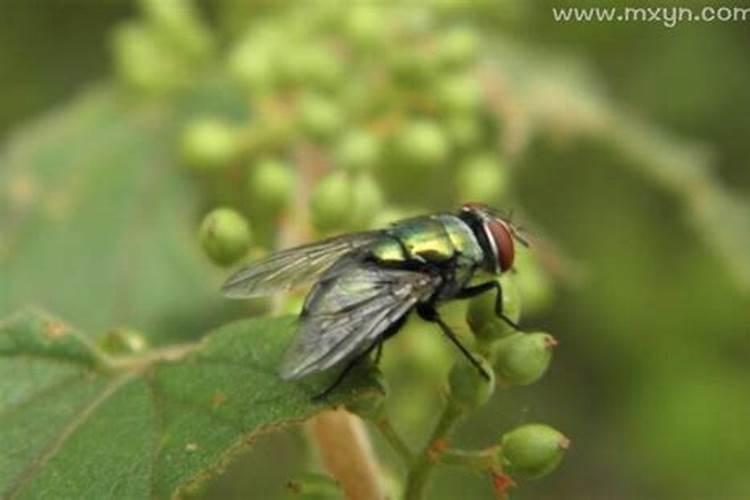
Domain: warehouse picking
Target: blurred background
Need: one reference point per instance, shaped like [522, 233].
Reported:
[621, 146]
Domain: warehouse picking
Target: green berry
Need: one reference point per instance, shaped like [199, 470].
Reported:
[358, 150]
[142, 60]
[468, 388]
[331, 202]
[459, 95]
[122, 341]
[271, 183]
[252, 64]
[367, 200]
[481, 316]
[209, 143]
[224, 235]
[320, 117]
[458, 47]
[365, 26]
[181, 24]
[532, 451]
[523, 358]
[482, 178]
[422, 144]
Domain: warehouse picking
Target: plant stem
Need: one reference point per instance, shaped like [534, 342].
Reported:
[395, 441]
[424, 464]
[347, 455]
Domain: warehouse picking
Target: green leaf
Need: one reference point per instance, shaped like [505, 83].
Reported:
[98, 223]
[76, 423]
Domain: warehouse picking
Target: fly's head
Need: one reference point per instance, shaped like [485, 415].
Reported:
[495, 233]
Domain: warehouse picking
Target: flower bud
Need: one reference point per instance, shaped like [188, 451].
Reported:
[224, 235]
[458, 47]
[482, 178]
[365, 26]
[367, 200]
[252, 64]
[468, 388]
[357, 151]
[271, 183]
[180, 23]
[331, 202]
[209, 143]
[142, 60]
[320, 117]
[459, 95]
[122, 341]
[522, 358]
[532, 450]
[482, 318]
[422, 144]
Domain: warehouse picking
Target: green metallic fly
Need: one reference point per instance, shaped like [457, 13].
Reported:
[369, 283]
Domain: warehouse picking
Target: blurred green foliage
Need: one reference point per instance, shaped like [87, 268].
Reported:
[617, 140]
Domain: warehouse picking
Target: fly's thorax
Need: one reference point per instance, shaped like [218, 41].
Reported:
[425, 239]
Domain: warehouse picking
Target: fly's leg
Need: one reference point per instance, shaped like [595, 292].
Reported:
[428, 313]
[473, 291]
[346, 370]
[377, 346]
[378, 352]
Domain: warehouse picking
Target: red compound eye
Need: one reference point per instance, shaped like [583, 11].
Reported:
[501, 235]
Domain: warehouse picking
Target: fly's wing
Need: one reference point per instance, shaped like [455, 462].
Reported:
[348, 309]
[287, 269]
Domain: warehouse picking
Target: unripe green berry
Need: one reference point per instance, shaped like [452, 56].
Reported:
[271, 183]
[422, 144]
[481, 316]
[532, 450]
[142, 60]
[253, 66]
[523, 358]
[181, 24]
[358, 150]
[459, 95]
[320, 117]
[224, 235]
[365, 26]
[122, 341]
[367, 200]
[331, 202]
[209, 143]
[482, 178]
[458, 47]
[468, 389]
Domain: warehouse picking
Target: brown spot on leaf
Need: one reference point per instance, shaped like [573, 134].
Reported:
[54, 330]
[22, 190]
[218, 399]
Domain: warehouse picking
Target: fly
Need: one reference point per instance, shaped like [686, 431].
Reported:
[368, 283]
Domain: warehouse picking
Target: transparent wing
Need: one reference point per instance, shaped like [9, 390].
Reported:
[348, 309]
[293, 267]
